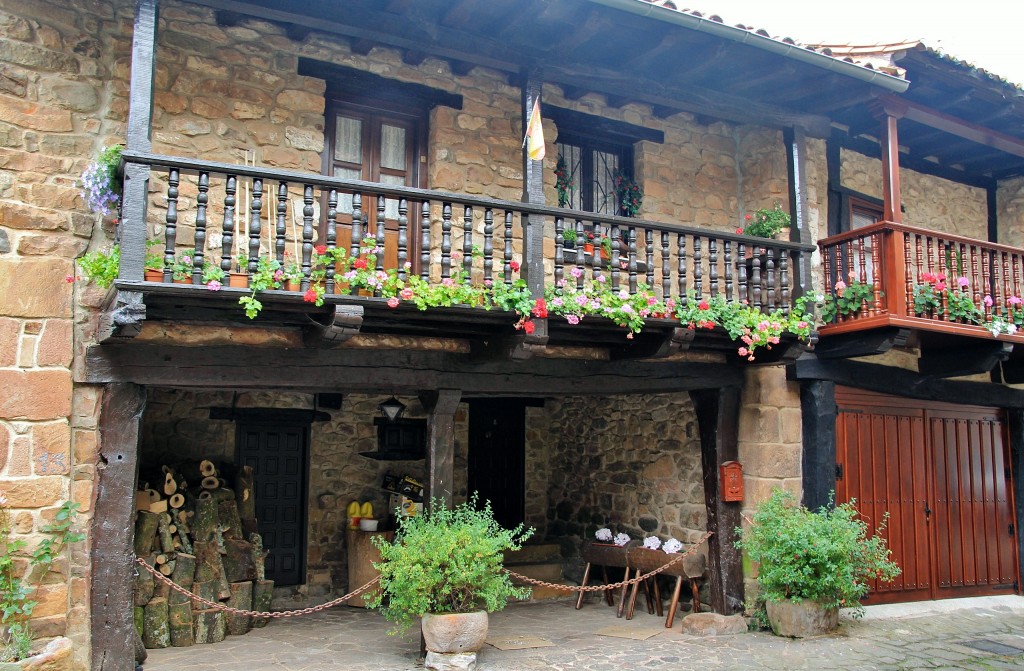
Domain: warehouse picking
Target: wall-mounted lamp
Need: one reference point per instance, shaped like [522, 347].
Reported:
[391, 409]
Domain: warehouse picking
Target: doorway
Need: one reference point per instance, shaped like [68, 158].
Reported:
[497, 456]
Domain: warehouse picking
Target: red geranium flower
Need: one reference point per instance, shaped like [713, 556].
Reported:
[514, 265]
[528, 326]
[540, 308]
[360, 264]
[321, 249]
[703, 305]
[309, 296]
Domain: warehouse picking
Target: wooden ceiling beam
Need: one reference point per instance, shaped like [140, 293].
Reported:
[459, 13]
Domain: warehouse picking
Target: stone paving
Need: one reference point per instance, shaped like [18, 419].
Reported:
[904, 637]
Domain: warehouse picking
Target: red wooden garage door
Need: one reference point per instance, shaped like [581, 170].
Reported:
[941, 471]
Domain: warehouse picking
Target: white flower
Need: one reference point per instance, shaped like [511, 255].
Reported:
[1011, 329]
[603, 534]
[621, 539]
[652, 542]
[672, 546]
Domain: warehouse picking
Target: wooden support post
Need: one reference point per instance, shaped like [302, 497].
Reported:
[533, 193]
[113, 559]
[818, 411]
[891, 197]
[1015, 422]
[800, 231]
[440, 406]
[717, 410]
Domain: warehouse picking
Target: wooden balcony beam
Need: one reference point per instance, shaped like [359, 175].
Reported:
[122, 318]
[959, 361]
[861, 343]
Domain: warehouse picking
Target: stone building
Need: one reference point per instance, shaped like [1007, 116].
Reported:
[260, 129]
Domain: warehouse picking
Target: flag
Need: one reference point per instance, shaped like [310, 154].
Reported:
[534, 139]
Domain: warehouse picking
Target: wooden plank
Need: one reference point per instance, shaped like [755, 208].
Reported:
[717, 410]
[533, 192]
[440, 406]
[818, 418]
[800, 231]
[960, 361]
[113, 558]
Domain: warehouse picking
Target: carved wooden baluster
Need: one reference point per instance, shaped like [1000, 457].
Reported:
[488, 244]
[919, 260]
[357, 226]
[595, 269]
[171, 220]
[784, 281]
[580, 261]
[862, 276]
[559, 254]
[1003, 288]
[743, 290]
[1016, 260]
[425, 241]
[282, 213]
[199, 253]
[508, 246]
[649, 244]
[826, 266]
[987, 275]
[467, 245]
[331, 239]
[681, 261]
[729, 269]
[380, 238]
[876, 283]
[632, 260]
[698, 271]
[770, 278]
[908, 273]
[403, 238]
[255, 223]
[755, 278]
[307, 234]
[615, 262]
[666, 267]
[228, 227]
[446, 240]
[713, 265]
[977, 280]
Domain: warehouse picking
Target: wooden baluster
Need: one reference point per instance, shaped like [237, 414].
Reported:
[784, 281]
[743, 291]
[876, 285]
[632, 260]
[255, 223]
[171, 220]
[425, 241]
[826, 266]
[595, 269]
[649, 247]
[199, 253]
[331, 239]
[559, 253]
[977, 280]
[356, 243]
[446, 241]
[615, 262]
[1016, 260]
[580, 260]
[713, 265]
[403, 238]
[467, 245]
[908, 273]
[228, 227]
[698, 271]
[681, 260]
[918, 265]
[381, 239]
[508, 246]
[770, 278]
[862, 276]
[729, 269]
[307, 234]
[488, 244]
[1004, 274]
[666, 268]
[755, 278]
[282, 214]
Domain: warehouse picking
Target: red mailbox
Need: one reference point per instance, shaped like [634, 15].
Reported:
[732, 481]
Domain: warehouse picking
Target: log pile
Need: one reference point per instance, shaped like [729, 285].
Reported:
[205, 539]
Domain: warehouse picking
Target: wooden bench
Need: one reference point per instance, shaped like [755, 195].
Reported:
[644, 560]
[605, 555]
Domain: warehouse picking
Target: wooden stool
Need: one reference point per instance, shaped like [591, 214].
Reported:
[605, 555]
[645, 560]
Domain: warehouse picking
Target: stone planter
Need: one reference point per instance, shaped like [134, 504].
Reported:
[455, 633]
[800, 619]
[56, 656]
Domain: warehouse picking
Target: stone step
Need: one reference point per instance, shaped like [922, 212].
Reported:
[534, 554]
[550, 572]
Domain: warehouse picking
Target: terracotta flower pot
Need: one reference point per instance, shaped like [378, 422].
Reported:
[153, 275]
[292, 285]
[799, 619]
[187, 280]
[238, 280]
[455, 633]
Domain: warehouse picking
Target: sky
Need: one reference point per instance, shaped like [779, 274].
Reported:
[986, 33]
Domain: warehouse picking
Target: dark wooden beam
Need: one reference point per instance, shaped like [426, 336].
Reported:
[335, 328]
[374, 371]
[533, 193]
[956, 362]
[459, 13]
[569, 120]
[892, 199]
[818, 419]
[571, 92]
[889, 380]
[122, 317]
[113, 557]
[672, 342]
[413, 57]
[992, 207]
[717, 410]
[795, 140]
[440, 406]
[833, 164]
[362, 47]
[861, 343]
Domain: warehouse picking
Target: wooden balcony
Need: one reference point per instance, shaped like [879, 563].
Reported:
[967, 295]
[437, 237]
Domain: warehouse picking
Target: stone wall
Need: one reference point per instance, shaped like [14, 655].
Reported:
[1010, 209]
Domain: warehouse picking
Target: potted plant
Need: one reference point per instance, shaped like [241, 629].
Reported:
[268, 275]
[569, 238]
[628, 194]
[101, 267]
[183, 267]
[100, 186]
[446, 567]
[154, 265]
[811, 563]
[563, 182]
[766, 223]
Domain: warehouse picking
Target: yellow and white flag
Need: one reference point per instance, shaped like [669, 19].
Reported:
[534, 139]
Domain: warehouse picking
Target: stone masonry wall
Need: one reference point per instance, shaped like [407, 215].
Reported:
[1010, 209]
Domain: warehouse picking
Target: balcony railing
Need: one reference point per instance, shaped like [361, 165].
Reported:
[925, 280]
[435, 235]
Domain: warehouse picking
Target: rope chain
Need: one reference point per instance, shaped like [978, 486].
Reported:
[330, 604]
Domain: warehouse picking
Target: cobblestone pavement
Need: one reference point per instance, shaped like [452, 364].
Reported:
[910, 636]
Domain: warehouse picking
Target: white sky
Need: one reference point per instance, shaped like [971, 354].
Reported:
[986, 33]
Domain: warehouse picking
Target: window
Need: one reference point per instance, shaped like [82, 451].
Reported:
[592, 165]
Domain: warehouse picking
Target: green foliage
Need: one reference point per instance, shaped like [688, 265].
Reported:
[766, 223]
[628, 194]
[101, 267]
[268, 275]
[926, 300]
[960, 307]
[446, 561]
[753, 328]
[563, 182]
[569, 235]
[825, 555]
[16, 606]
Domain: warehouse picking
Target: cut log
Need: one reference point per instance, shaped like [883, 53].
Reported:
[143, 587]
[227, 511]
[154, 495]
[245, 497]
[208, 626]
[206, 590]
[158, 506]
[168, 568]
[207, 468]
[223, 493]
[210, 483]
[238, 560]
[164, 532]
[184, 570]
[155, 632]
[160, 588]
[160, 560]
[262, 598]
[142, 500]
[209, 566]
[176, 501]
[146, 524]
[259, 556]
[206, 519]
[139, 617]
[170, 484]
[241, 597]
[179, 620]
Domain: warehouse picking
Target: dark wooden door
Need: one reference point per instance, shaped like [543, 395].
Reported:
[939, 470]
[497, 456]
[278, 453]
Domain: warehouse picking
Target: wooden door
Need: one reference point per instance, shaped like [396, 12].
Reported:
[497, 456]
[278, 454]
[939, 471]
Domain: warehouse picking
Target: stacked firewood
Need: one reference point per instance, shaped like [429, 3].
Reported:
[205, 539]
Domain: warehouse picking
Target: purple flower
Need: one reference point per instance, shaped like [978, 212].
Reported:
[213, 285]
[572, 319]
[962, 282]
[987, 300]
